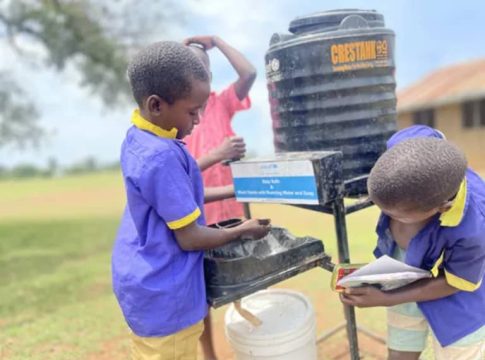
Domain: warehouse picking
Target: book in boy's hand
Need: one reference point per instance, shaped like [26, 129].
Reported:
[340, 271]
[385, 273]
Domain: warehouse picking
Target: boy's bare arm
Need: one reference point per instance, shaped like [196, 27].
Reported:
[422, 290]
[218, 193]
[206, 161]
[195, 237]
[245, 70]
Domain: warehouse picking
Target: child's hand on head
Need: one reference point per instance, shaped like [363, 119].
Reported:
[207, 41]
[256, 228]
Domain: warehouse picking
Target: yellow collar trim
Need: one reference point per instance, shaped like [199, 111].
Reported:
[453, 216]
[143, 124]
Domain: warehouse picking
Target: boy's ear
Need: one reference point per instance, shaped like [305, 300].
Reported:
[156, 105]
[445, 206]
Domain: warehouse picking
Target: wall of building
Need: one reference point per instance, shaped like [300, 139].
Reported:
[448, 119]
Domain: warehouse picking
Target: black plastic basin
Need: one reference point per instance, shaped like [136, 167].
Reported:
[246, 265]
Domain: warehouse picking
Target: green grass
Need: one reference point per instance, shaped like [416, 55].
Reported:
[15, 189]
[56, 301]
[55, 290]
[70, 197]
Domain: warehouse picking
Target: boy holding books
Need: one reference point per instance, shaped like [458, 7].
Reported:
[433, 217]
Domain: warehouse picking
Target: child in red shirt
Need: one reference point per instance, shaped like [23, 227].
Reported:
[214, 140]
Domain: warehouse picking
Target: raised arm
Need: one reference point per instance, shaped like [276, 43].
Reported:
[245, 70]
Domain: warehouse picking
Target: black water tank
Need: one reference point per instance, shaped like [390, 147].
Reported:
[331, 87]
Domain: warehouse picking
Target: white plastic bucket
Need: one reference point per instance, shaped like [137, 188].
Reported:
[287, 333]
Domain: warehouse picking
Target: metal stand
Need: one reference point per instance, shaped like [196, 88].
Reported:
[247, 211]
[344, 257]
[331, 189]
[339, 211]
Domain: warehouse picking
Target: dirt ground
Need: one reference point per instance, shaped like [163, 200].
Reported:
[336, 348]
[333, 349]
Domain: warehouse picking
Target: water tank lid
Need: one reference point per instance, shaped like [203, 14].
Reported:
[330, 20]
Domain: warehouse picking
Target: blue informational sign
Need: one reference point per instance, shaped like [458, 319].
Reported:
[275, 180]
[289, 188]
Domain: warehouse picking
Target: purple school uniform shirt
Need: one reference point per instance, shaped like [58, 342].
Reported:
[159, 286]
[453, 242]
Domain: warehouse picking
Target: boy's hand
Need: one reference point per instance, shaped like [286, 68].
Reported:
[365, 296]
[207, 41]
[245, 70]
[255, 228]
[231, 148]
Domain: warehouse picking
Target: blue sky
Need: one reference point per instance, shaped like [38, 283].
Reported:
[429, 34]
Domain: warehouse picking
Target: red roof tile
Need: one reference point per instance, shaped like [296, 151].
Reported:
[451, 84]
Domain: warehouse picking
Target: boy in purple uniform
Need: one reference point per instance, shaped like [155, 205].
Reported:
[157, 262]
[433, 217]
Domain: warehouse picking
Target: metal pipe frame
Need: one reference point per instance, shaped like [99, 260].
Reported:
[339, 212]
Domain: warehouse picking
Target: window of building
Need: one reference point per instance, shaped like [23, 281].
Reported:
[468, 114]
[424, 117]
[473, 114]
[482, 112]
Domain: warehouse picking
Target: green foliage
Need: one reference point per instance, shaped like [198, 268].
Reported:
[84, 166]
[73, 31]
[17, 115]
[87, 165]
[24, 171]
[94, 38]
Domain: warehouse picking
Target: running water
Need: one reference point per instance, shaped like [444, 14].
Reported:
[277, 241]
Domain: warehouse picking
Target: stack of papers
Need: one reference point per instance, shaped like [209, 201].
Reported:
[386, 273]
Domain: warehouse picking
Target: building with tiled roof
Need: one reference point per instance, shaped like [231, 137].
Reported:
[451, 99]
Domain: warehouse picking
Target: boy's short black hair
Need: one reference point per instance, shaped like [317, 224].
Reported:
[166, 69]
[420, 173]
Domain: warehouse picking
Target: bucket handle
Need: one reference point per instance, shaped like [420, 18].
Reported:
[253, 319]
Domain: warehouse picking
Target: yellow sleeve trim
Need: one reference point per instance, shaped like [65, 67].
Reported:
[460, 283]
[435, 270]
[180, 223]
